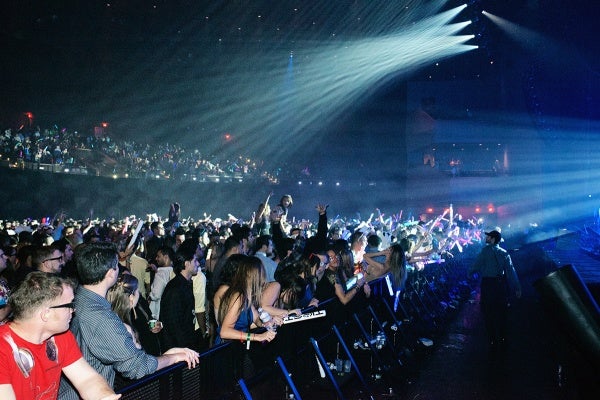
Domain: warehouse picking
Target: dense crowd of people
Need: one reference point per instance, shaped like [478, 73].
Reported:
[155, 291]
[124, 158]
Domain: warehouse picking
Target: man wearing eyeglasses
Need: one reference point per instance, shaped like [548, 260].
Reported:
[37, 345]
[48, 259]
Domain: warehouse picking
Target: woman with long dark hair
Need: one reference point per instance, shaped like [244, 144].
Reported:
[333, 282]
[238, 309]
[283, 297]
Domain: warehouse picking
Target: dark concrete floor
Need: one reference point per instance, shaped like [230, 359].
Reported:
[463, 366]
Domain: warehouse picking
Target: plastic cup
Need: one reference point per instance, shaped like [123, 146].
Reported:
[347, 366]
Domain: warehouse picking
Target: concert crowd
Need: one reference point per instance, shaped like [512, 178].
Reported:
[425, 240]
[184, 285]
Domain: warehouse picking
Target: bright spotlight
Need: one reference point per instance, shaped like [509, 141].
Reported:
[327, 86]
[320, 183]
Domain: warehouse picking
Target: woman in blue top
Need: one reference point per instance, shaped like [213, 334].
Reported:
[237, 313]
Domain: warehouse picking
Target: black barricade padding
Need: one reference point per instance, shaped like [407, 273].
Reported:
[570, 301]
[222, 368]
[215, 377]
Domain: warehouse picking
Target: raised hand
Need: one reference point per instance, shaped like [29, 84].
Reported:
[322, 208]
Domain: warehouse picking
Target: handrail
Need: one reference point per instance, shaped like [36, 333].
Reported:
[164, 371]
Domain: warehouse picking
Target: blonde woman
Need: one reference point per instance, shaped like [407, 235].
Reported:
[123, 297]
[394, 263]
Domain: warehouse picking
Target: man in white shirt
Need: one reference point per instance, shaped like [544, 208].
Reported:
[164, 259]
[264, 251]
[199, 289]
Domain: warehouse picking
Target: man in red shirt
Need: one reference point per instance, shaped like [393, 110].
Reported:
[37, 345]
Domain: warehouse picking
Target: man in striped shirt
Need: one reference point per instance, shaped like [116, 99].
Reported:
[104, 341]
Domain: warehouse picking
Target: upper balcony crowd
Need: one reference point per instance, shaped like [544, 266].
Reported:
[106, 156]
